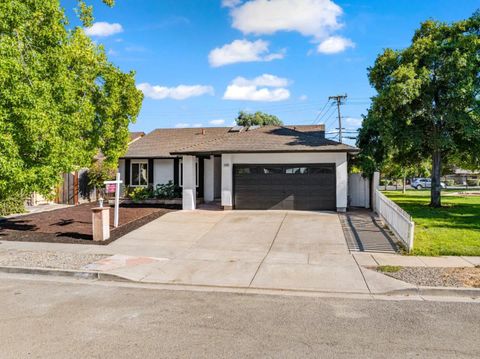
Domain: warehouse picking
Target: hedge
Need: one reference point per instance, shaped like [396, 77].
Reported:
[11, 205]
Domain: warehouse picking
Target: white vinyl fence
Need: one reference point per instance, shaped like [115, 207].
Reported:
[399, 221]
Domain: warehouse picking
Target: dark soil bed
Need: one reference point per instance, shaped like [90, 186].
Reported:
[438, 277]
[74, 224]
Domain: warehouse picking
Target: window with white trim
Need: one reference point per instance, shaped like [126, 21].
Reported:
[139, 173]
[180, 173]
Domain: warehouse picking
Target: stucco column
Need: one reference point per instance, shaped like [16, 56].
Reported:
[342, 184]
[227, 182]
[208, 179]
[189, 198]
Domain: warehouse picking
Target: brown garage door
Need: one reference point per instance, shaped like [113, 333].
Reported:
[297, 186]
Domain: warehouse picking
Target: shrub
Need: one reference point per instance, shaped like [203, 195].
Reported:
[450, 182]
[12, 204]
[167, 191]
[137, 194]
[97, 174]
[472, 182]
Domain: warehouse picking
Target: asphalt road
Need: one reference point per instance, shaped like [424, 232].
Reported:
[41, 319]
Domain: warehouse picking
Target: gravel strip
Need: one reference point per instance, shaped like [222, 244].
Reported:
[57, 260]
[439, 277]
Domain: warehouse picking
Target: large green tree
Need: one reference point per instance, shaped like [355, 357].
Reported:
[257, 119]
[427, 102]
[61, 100]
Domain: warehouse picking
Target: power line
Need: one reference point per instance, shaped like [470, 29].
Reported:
[320, 113]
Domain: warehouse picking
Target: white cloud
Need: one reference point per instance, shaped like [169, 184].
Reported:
[303, 98]
[242, 51]
[180, 92]
[103, 29]
[334, 44]
[317, 19]
[262, 88]
[230, 3]
[263, 80]
[182, 125]
[197, 125]
[353, 122]
[217, 122]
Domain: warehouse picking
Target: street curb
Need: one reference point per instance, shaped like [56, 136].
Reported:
[92, 275]
[437, 292]
[78, 274]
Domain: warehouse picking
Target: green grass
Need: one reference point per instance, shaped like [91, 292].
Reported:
[453, 229]
[388, 269]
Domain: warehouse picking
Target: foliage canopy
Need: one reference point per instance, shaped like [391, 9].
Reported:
[61, 100]
[427, 102]
[257, 119]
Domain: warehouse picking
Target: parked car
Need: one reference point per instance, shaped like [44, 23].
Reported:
[419, 183]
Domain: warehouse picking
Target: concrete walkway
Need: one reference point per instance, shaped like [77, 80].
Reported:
[268, 250]
[272, 250]
[288, 250]
[364, 232]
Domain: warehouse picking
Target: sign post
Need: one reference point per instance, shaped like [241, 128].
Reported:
[117, 183]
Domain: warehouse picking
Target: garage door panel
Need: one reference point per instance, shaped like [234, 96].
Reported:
[301, 187]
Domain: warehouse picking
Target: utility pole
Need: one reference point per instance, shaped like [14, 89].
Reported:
[339, 99]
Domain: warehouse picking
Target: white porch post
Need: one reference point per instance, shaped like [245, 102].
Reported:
[208, 179]
[189, 193]
[227, 182]
[342, 184]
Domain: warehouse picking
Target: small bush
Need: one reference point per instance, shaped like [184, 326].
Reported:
[472, 182]
[137, 194]
[384, 182]
[389, 269]
[450, 182]
[12, 204]
[167, 191]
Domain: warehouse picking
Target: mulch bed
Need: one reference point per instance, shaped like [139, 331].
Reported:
[439, 277]
[74, 224]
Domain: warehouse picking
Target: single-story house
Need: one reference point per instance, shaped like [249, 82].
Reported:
[269, 167]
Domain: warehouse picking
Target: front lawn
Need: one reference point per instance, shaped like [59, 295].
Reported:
[453, 229]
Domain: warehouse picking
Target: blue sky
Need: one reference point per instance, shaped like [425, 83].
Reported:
[201, 61]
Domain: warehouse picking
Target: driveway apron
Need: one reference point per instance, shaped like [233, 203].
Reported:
[289, 250]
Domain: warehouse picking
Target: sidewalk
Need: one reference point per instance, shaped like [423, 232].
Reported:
[207, 276]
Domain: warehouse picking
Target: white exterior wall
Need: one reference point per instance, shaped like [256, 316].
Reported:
[208, 179]
[358, 190]
[189, 193]
[339, 158]
[162, 171]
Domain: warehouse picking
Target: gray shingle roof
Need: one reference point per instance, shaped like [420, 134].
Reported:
[270, 139]
[173, 142]
[162, 141]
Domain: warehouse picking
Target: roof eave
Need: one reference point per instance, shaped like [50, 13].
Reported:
[203, 153]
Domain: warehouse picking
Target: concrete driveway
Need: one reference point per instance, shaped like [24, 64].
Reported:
[245, 249]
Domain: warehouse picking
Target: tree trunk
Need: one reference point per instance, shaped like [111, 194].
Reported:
[435, 194]
[404, 188]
